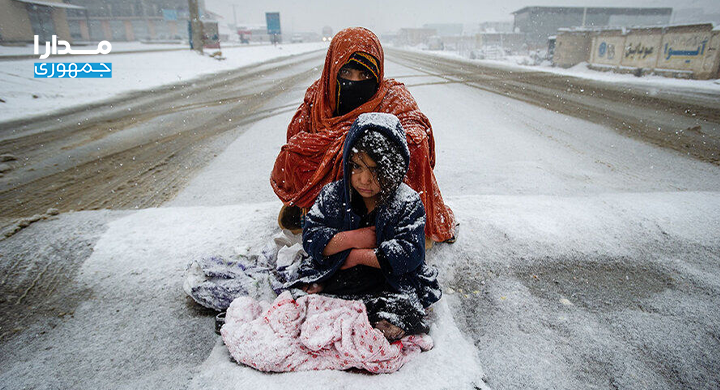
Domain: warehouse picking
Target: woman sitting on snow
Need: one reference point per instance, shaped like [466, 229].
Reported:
[353, 83]
[365, 233]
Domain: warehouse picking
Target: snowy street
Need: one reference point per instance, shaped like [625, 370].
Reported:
[587, 255]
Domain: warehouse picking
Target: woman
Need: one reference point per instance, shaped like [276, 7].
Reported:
[353, 83]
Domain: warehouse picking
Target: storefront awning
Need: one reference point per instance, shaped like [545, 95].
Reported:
[51, 4]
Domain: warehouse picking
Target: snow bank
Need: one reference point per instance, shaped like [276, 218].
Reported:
[139, 320]
[25, 96]
[581, 71]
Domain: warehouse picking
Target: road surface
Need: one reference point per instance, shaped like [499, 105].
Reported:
[587, 255]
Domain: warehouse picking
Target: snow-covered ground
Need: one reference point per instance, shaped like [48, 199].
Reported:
[117, 47]
[23, 96]
[532, 190]
[581, 70]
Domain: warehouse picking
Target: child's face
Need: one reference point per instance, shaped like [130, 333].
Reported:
[363, 177]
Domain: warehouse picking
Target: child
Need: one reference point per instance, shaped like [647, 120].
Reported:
[365, 233]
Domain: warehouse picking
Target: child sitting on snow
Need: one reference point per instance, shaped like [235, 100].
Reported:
[365, 233]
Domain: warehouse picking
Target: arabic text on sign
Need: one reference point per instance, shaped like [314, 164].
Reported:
[103, 47]
[73, 70]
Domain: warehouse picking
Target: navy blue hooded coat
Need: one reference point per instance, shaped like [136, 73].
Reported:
[399, 223]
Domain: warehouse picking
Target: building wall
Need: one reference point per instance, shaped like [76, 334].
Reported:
[129, 20]
[15, 25]
[511, 41]
[693, 49]
[572, 48]
[14, 22]
[538, 23]
[414, 36]
[689, 50]
[445, 29]
[641, 48]
[607, 49]
[542, 24]
[62, 30]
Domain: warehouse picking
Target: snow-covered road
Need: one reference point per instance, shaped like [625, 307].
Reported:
[585, 259]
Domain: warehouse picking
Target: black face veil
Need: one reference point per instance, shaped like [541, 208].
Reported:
[352, 94]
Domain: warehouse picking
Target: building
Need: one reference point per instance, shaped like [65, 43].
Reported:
[20, 20]
[506, 41]
[414, 36]
[695, 15]
[131, 20]
[499, 27]
[689, 51]
[572, 47]
[539, 23]
[445, 29]
[95, 20]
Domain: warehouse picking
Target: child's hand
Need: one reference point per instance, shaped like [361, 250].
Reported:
[364, 238]
[351, 239]
[361, 257]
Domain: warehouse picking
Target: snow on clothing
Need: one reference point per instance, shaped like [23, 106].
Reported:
[399, 229]
[214, 282]
[312, 156]
[312, 332]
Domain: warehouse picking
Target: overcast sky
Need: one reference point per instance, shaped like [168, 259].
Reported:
[390, 15]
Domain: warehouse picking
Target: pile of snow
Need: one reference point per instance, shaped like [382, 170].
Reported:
[581, 70]
[139, 320]
[23, 95]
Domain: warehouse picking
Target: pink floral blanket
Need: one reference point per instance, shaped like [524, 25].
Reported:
[313, 332]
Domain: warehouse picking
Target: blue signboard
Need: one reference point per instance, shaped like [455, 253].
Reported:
[71, 70]
[273, 23]
[170, 14]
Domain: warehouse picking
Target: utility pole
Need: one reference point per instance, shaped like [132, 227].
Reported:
[196, 29]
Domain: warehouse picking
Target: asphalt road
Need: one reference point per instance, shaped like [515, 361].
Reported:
[640, 318]
[139, 150]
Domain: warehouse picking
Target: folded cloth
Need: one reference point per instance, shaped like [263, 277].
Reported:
[312, 332]
[215, 281]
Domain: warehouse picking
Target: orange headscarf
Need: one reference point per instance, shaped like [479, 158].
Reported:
[312, 156]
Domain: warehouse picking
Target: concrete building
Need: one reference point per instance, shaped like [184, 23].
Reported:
[131, 20]
[95, 20]
[688, 51]
[445, 29]
[506, 41]
[572, 47]
[20, 20]
[414, 36]
[499, 27]
[539, 23]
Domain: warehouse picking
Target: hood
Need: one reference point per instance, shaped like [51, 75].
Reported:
[386, 124]
[343, 45]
